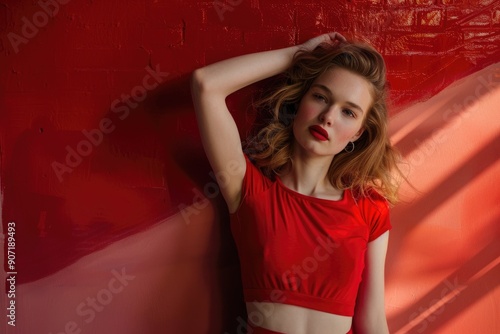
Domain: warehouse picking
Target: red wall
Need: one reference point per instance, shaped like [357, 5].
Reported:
[102, 170]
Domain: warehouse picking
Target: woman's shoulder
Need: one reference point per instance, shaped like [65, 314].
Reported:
[374, 209]
[370, 199]
[254, 180]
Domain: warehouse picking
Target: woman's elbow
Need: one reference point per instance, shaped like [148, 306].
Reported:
[204, 86]
[198, 81]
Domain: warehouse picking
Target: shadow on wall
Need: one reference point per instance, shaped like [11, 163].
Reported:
[79, 197]
[121, 220]
[444, 248]
[140, 163]
[446, 262]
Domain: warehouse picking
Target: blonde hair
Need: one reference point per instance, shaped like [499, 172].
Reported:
[372, 162]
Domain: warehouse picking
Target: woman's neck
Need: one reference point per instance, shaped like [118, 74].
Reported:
[309, 176]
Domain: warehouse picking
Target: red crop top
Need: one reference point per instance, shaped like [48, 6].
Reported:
[301, 250]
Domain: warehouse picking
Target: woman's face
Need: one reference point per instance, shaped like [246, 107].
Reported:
[331, 113]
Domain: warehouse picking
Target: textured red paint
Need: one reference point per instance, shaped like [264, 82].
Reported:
[65, 79]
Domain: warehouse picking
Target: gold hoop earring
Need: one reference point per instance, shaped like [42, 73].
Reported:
[351, 147]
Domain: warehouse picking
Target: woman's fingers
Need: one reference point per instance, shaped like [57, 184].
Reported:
[329, 38]
[337, 36]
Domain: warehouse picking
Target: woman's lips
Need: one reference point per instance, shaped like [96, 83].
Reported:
[318, 132]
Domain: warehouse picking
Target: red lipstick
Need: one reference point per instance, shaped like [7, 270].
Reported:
[318, 132]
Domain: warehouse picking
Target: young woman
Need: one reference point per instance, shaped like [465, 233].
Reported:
[309, 201]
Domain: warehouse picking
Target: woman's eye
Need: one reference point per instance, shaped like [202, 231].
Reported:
[349, 113]
[319, 97]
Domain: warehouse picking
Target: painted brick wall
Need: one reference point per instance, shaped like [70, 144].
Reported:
[98, 140]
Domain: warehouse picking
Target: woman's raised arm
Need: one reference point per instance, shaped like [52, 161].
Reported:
[211, 85]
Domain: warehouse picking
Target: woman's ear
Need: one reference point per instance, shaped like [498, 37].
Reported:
[358, 134]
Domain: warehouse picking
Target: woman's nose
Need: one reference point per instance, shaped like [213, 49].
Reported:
[327, 117]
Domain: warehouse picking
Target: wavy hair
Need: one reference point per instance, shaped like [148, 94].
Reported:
[373, 162]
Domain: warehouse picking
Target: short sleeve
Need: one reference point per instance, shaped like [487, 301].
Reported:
[254, 182]
[377, 215]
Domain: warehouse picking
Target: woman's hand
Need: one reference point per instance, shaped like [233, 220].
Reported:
[329, 38]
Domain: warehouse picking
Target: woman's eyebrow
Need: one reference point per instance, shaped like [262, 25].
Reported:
[329, 92]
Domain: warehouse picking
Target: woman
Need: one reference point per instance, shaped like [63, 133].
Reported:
[309, 203]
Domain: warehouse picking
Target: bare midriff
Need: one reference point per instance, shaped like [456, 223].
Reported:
[291, 319]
